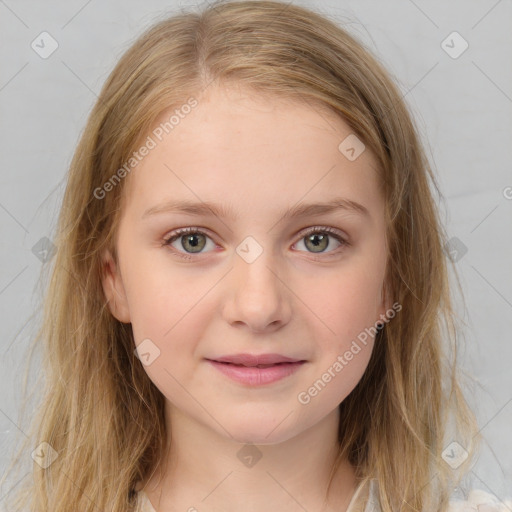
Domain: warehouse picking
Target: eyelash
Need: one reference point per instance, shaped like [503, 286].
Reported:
[318, 229]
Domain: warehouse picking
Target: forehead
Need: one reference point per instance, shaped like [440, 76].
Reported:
[235, 145]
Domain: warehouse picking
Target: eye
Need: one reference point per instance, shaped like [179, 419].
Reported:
[194, 240]
[317, 240]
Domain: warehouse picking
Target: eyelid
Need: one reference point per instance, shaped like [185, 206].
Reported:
[323, 229]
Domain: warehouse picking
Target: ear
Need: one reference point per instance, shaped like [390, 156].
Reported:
[114, 290]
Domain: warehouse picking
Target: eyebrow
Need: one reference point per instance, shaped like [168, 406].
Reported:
[206, 208]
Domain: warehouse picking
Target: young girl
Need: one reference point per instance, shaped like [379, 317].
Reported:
[249, 305]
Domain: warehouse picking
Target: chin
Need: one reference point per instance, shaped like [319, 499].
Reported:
[261, 431]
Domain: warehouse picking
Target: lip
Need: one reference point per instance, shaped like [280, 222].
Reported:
[243, 368]
[255, 359]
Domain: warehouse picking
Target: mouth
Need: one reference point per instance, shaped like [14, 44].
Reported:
[257, 374]
[256, 360]
[256, 365]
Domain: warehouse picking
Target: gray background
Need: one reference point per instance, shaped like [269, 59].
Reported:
[462, 107]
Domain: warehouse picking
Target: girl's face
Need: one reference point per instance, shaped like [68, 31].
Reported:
[250, 277]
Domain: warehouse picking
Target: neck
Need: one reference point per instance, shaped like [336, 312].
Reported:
[209, 471]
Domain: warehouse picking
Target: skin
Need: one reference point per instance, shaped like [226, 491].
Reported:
[259, 156]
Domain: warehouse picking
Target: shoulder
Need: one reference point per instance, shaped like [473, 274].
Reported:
[481, 501]
[477, 500]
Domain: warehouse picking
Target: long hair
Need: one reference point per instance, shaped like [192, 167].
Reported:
[100, 424]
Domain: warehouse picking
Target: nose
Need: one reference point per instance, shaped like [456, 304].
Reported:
[257, 296]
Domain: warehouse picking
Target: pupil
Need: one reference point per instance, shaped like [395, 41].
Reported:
[316, 237]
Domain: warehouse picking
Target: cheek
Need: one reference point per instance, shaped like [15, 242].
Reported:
[346, 302]
[173, 321]
[171, 310]
[160, 294]
[347, 306]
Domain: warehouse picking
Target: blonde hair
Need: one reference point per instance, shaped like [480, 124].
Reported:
[100, 411]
